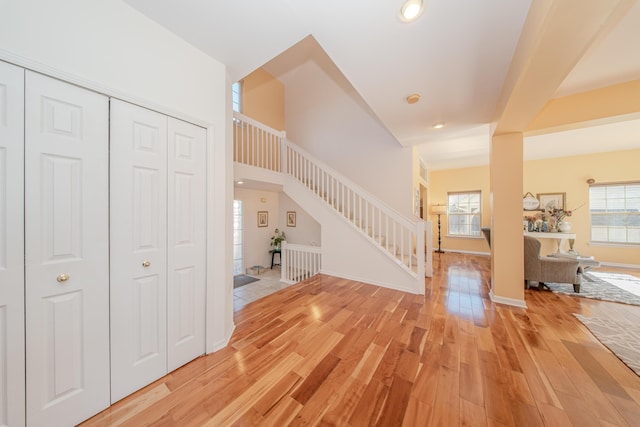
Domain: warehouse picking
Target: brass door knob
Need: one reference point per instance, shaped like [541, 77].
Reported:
[146, 264]
[62, 278]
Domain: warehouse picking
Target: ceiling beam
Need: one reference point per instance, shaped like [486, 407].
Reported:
[556, 34]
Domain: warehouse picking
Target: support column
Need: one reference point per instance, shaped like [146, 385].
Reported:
[507, 246]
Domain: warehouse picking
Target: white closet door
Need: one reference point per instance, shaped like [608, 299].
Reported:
[11, 245]
[66, 247]
[138, 248]
[186, 242]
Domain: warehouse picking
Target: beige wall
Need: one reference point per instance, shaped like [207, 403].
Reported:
[466, 179]
[567, 175]
[263, 99]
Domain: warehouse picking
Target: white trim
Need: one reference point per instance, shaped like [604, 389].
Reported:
[621, 265]
[614, 244]
[73, 79]
[460, 251]
[370, 282]
[219, 345]
[507, 301]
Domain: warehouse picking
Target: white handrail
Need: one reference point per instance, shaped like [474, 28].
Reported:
[299, 262]
[256, 144]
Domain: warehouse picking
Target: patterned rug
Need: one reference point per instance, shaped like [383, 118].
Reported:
[621, 288]
[622, 338]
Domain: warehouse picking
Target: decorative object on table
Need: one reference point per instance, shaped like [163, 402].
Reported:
[291, 218]
[564, 226]
[277, 239]
[530, 203]
[439, 210]
[263, 219]
[551, 200]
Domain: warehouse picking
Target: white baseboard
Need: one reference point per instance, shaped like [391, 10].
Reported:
[621, 265]
[219, 345]
[371, 282]
[467, 252]
[507, 301]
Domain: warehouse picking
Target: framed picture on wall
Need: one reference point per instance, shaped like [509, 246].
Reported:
[551, 200]
[291, 218]
[263, 219]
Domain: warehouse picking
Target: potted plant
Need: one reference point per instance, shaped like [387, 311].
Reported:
[277, 239]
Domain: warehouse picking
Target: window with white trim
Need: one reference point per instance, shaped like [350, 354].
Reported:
[464, 214]
[615, 213]
[236, 96]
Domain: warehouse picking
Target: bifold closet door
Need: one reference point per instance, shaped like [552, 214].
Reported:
[138, 248]
[11, 245]
[186, 242]
[158, 219]
[67, 255]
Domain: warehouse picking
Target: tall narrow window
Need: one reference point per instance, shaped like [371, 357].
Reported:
[236, 96]
[464, 214]
[615, 213]
[238, 235]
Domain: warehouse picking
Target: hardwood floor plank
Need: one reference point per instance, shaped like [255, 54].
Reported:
[336, 352]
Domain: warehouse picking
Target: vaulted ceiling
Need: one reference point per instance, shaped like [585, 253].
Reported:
[456, 55]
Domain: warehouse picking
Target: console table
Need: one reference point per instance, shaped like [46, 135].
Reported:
[560, 238]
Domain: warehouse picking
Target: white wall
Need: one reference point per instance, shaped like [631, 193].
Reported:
[109, 47]
[109, 43]
[257, 240]
[327, 117]
[307, 230]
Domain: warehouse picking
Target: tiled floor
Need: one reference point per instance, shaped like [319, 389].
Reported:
[269, 283]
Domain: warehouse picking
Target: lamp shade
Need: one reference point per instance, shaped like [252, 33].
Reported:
[438, 209]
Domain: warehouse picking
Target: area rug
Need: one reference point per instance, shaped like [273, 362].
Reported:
[595, 286]
[622, 338]
[242, 279]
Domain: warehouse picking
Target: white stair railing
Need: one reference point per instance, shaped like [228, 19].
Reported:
[255, 144]
[398, 236]
[382, 225]
[299, 262]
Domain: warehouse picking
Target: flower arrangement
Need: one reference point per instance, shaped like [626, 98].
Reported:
[277, 239]
[555, 216]
[549, 218]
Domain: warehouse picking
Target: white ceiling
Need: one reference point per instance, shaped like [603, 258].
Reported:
[456, 55]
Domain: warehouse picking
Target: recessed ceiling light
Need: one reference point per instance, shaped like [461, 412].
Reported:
[438, 125]
[411, 10]
[239, 182]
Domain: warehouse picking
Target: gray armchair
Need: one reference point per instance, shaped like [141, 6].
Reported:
[545, 269]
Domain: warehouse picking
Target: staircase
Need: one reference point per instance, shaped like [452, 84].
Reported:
[362, 238]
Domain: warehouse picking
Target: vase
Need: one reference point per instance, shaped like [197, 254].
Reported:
[564, 227]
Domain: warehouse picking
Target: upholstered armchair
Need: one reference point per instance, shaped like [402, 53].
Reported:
[546, 269]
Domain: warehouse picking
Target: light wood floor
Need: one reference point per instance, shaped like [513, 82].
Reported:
[334, 352]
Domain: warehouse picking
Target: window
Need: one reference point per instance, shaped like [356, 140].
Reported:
[237, 237]
[236, 96]
[615, 213]
[463, 212]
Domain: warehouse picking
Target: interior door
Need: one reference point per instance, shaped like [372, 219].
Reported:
[11, 245]
[186, 242]
[138, 247]
[66, 248]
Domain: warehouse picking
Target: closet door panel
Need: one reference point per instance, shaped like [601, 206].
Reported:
[66, 237]
[138, 248]
[12, 405]
[186, 242]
